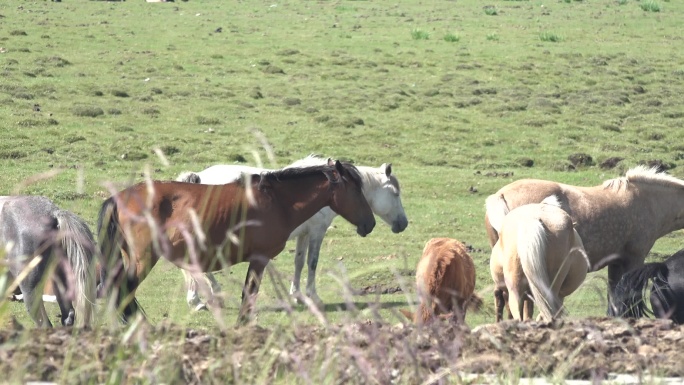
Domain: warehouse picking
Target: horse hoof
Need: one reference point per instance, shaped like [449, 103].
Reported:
[200, 307]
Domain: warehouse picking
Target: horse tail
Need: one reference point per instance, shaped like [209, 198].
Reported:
[189, 177]
[532, 246]
[628, 296]
[79, 246]
[112, 263]
[496, 209]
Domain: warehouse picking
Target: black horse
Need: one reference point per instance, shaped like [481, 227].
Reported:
[667, 291]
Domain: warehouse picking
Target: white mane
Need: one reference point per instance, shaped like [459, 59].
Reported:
[644, 174]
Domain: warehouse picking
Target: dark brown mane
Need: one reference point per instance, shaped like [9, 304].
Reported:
[303, 172]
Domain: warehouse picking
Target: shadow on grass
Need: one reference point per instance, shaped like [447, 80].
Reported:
[339, 306]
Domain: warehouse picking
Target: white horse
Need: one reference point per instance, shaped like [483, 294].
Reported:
[380, 188]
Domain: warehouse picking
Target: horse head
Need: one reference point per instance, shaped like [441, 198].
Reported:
[384, 196]
[348, 199]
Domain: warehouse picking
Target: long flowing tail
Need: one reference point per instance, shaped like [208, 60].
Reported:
[628, 296]
[114, 278]
[78, 244]
[532, 245]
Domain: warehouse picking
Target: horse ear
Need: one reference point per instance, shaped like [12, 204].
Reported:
[387, 167]
[333, 176]
[331, 162]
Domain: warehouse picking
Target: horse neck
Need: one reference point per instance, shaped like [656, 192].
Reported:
[301, 198]
[668, 205]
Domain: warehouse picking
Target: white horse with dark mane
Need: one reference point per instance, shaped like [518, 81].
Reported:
[380, 188]
[43, 242]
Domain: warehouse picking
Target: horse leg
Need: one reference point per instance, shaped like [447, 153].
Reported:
[516, 304]
[528, 307]
[300, 252]
[255, 272]
[61, 287]
[32, 289]
[499, 303]
[192, 296]
[312, 261]
[216, 298]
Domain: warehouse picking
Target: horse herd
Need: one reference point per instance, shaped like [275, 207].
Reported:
[545, 238]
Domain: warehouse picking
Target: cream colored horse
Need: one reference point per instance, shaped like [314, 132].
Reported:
[619, 221]
[539, 253]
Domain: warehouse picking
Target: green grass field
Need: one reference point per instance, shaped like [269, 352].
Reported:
[462, 97]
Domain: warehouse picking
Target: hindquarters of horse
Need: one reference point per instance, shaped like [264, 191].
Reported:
[522, 192]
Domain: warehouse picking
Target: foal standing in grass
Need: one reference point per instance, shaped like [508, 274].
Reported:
[445, 279]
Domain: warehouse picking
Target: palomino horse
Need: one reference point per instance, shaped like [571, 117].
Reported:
[667, 290]
[619, 221]
[538, 253]
[445, 280]
[206, 228]
[380, 187]
[44, 242]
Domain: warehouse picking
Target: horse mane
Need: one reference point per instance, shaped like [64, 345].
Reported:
[642, 174]
[303, 172]
[370, 182]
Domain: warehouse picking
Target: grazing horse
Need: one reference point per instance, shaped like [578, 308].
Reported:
[539, 253]
[380, 187]
[44, 243]
[445, 280]
[619, 221]
[667, 290]
[206, 228]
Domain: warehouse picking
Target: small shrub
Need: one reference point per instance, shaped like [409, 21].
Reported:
[74, 138]
[207, 121]
[151, 111]
[120, 94]
[550, 37]
[12, 154]
[492, 37]
[87, 111]
[451, 38]
[490, 11]
[18, 33]
[170, 150]
[114, 111]
[418, 34]
[52, 61]
[650, 6]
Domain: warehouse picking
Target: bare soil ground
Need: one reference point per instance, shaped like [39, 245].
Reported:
[586, 348]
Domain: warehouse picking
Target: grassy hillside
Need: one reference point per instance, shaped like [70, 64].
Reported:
[461, 97]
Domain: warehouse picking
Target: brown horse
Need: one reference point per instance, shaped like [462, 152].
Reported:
[205, 228]
[445, 278]
[538, 254]
[619, 221]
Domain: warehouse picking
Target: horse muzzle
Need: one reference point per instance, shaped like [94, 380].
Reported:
[365, 229]
[399, 225]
